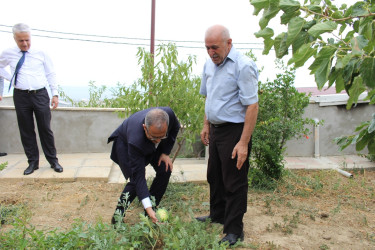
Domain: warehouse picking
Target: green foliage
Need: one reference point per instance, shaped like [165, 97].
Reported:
[365, 137]
[166, 82]
[181, 231]
[341, 41]
[9, 212]
[280, 119]
[3, 165]
[95, 99]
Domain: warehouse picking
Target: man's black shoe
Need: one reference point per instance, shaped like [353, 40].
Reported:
[30, 169]
[232, 239]
[57, 167]
[3, 154]
[207, 217]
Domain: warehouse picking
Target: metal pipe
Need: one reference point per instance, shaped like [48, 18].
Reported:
[316, 138]
[344, 173]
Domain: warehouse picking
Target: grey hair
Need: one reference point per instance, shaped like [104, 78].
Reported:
[21, 28]
[156, 117]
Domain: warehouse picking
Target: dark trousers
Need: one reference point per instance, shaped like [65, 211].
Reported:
[27, 105]
[157, 189]
[228, 185]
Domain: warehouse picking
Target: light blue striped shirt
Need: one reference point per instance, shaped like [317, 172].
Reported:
[1, 85]
[229, 88]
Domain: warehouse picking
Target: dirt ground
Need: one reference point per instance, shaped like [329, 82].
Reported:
[340, 215]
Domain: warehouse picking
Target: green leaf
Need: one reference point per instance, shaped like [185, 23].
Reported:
[371, 146]
[358, 43]
[333, 76]
[280, 46]
[302, 55]
[361, 126]
[268, 43]
[340, 86]
[367, 71]
[321, 75]
[362, 143]
[365, 28]
[289, 5]
[325, 54]
[315, 8]
[355, 90]
[343, 61]
[294, 28]
[371, 128]
[287, 16]
[302, 38]
[265, 33]
[321, 67]
[359, 9]
[348, 70]
[259, 5]
[268, 14]
[321, 28]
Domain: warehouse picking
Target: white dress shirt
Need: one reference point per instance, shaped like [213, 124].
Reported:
[3, 74]
[36, 72]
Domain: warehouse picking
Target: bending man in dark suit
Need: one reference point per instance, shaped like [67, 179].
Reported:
[146, 137]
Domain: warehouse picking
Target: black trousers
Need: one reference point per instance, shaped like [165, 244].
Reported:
[27, 105]
[158, 187]
[228, 185]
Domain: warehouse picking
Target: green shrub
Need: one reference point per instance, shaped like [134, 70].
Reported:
[281, 108]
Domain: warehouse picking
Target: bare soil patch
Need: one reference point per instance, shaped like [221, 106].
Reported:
[317, 210]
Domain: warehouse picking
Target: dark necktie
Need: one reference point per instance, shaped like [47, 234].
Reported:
[18, 66]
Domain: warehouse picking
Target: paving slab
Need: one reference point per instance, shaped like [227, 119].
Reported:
[99, 167]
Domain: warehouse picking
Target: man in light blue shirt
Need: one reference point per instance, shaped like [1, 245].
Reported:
[230, 85]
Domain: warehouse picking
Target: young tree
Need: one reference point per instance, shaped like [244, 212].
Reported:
[166, 82]
[341, 41]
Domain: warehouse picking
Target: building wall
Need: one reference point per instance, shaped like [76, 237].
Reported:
[81, 130]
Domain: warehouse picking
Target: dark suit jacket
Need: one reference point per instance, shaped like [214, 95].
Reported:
[132, 151]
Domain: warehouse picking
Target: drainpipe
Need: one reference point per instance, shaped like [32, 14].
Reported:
[316, 138]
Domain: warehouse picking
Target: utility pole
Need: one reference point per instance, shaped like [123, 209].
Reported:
[152, 45]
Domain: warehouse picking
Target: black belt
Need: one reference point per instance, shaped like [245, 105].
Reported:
[221, 124]
[34, 91]
[225, 124]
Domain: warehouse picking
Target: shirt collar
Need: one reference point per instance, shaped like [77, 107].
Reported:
[231, 55]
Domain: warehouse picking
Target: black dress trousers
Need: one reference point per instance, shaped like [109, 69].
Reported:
[28, 104]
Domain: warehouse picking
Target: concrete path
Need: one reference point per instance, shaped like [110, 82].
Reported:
[99, 167]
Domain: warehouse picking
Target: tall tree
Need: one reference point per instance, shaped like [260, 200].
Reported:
[341, 42]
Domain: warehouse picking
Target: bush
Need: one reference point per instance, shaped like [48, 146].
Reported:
[280, 119]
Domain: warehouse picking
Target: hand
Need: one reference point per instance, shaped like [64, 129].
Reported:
[151, 213]
[55, 102]
[168, 162]
[240, 150]
[205, 134]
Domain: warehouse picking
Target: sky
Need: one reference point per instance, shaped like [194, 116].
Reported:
[79, 62]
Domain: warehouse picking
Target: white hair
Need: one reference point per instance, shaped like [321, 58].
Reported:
[21, 28]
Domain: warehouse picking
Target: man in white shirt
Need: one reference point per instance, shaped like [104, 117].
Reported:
[31, 98]
[3, 74]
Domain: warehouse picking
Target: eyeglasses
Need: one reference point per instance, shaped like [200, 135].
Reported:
[152, 138]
